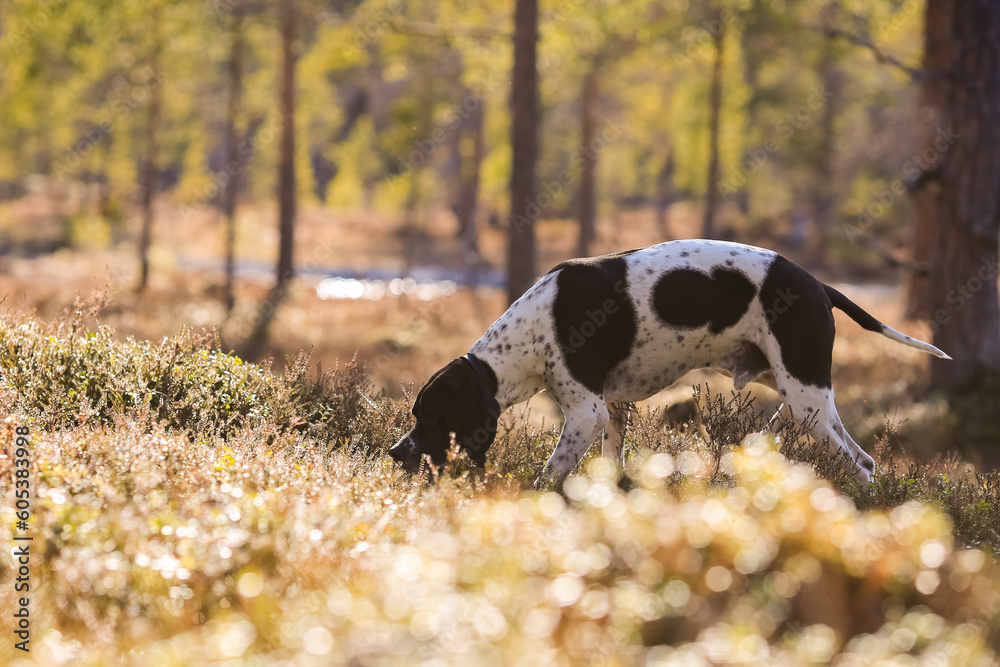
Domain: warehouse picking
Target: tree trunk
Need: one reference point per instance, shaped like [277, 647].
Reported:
[755, 54]
[286, 166]
[824, 198]
[715, 110]
[524, 146]
[665, 193]
[149, 171]
[588, 172]
[958, 208]
[467, 202]
[233, 166]
[411, 205]
[414, 242]
[410, 210]
[254, 347]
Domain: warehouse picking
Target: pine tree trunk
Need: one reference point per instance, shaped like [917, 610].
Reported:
[958, 206]
[467, 202]
[233, 166]
[665, 193]
[824, 199]
[665, 176]
[715, 110]
[286, 166]
[255, 345]
[588, 172]
[755, 54]
[149, 170]
[524, 146]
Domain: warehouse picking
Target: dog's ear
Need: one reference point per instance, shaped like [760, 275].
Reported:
[442, 377]
[480, 414]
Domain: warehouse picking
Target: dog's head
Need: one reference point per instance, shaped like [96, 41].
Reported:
[457, 399]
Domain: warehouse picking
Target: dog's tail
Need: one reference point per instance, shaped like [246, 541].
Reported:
[859, 315]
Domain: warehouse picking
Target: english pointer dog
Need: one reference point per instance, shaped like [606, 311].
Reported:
[603, 332]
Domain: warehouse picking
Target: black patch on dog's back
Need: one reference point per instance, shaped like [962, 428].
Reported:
[594, 317]
[692, 299]
[799, 315]
[593, 261]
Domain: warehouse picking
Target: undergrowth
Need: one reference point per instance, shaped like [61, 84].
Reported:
[193, 508]
[63, 375]
[970, 498]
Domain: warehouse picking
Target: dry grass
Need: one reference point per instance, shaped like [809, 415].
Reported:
[287, 536]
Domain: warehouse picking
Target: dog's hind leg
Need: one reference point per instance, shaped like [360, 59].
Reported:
[800, 353]
[806, 403]
[830, 426]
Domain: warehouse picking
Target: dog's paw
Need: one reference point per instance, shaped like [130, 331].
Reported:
[866, 468]
[549, 483]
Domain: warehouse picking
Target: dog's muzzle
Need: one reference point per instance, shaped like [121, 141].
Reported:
[405, 451]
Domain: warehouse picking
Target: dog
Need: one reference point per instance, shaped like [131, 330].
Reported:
[601, 333]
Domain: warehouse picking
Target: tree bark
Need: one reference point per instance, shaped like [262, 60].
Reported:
[286, 166]
[958, 206]
[665, 193]
[467, 201]
[754, 55]
[715, 110]
[524, 146]
[234, 168]
[411, 205]
[823, 192]
[588, 172]
[149, 171]
[255, 344]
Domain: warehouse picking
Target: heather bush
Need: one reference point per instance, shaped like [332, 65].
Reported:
[196, 509]
[63, 375]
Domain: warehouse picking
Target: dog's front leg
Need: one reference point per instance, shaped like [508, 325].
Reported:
[613, 447]
[582, 427]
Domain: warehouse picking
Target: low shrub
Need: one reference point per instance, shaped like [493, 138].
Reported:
[63, 375]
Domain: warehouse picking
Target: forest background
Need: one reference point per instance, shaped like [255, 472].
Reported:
[236, 236]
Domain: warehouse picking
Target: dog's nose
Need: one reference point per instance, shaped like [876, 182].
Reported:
[401, 451]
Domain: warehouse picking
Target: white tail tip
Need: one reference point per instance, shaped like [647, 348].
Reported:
[889, 332]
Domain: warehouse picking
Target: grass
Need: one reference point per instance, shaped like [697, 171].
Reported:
[65, 376]
[193, 508]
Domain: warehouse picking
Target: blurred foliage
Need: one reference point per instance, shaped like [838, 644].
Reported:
[382, 86]
[172, 532]
[165, 551]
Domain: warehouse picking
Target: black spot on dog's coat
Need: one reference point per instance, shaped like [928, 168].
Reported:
[798, 313]
[595, 320]
[595, 261]
[692, 299]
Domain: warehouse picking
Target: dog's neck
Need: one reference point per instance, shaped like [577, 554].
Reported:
[516, 359]
[512, 383]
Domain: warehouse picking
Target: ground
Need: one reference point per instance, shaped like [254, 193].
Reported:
[187, 506]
